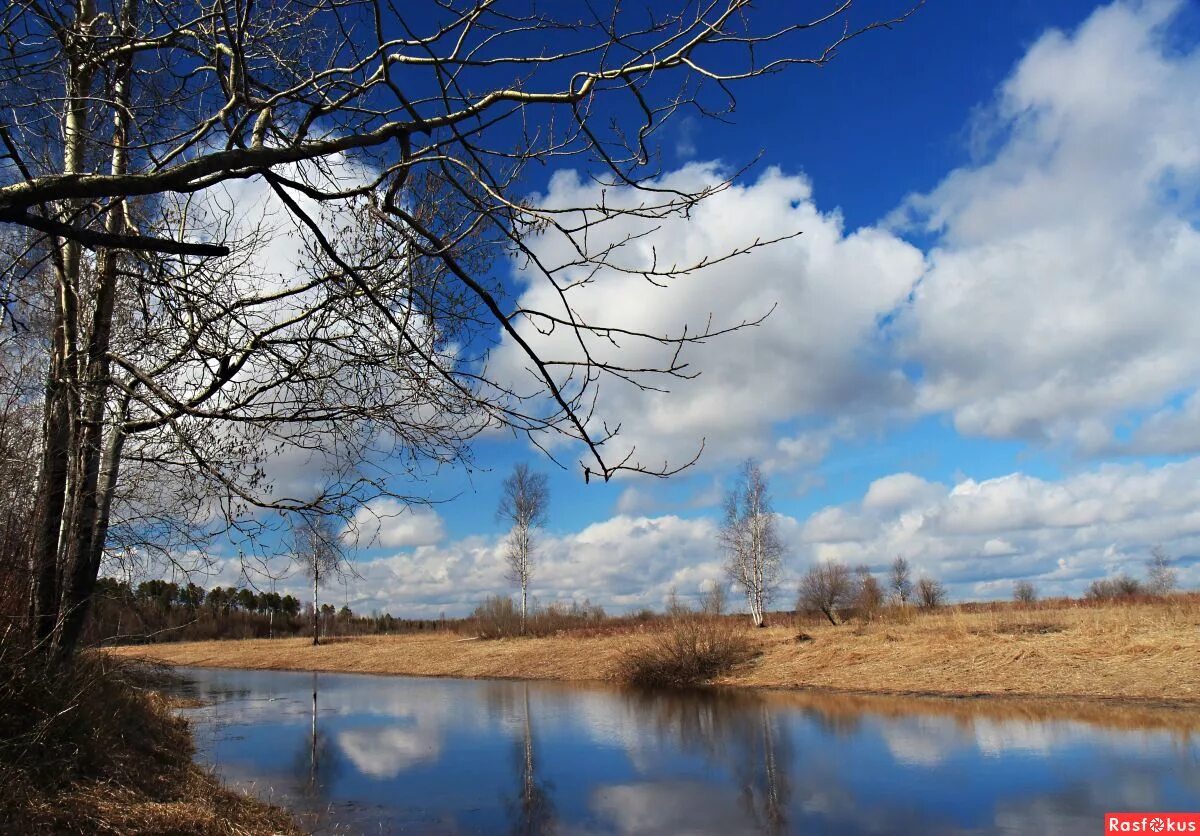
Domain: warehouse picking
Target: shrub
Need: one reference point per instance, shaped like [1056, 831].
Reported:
[1111, 589]
[1024, 592]
[497, 617]
[692, 650]
[826, 588]
[868, 594]
[58, 722]
[930, 594]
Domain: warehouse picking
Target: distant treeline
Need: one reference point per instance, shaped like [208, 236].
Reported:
[161, 611]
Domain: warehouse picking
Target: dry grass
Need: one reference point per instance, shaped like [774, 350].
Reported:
[1139, 652]
[431, 654]
[193, 802]
[90, 749]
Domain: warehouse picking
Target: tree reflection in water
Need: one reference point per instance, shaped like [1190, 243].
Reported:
[370, 754]
[736, 731]
[532, 811]
[317, 762]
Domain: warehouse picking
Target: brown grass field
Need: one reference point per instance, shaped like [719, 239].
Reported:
[1146, 652]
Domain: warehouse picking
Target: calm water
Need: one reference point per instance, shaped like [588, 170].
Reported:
[389, 754]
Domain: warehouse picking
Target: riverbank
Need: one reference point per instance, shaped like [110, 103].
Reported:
[95, 748]
[1146, 652]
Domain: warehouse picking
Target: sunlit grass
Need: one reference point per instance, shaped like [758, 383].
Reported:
[1145, 650]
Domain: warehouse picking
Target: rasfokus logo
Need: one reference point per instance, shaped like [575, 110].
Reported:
[1152, 823]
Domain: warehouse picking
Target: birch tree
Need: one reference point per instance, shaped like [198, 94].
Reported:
[393, 141]
[1161, 577]
[524, 504]
[319, 552]
[900, 580]
[750, 539]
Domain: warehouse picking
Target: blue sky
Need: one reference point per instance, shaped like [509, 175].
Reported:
[984, 355]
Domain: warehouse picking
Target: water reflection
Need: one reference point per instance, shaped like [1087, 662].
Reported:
[316, 763]
[379, 754]
[533, 811]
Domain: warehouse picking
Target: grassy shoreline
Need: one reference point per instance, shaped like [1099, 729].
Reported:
[1138, 653]
[95, 747]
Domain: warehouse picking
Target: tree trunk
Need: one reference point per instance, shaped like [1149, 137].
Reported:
[48, 510]
[50, 534]
[74, 500]
[756, 609]
[316, 608]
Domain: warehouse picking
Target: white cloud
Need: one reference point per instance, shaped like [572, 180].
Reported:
[622, 563]
[1061, 292]
[976, 536]
[897, 490]
[388, 523]
[981, 536]
[1170, 430]
[646, 501]
[1056, 302]
[816, 355]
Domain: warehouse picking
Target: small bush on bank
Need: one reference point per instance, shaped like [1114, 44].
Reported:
[692, 650]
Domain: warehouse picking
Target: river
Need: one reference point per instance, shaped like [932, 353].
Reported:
[373, 754]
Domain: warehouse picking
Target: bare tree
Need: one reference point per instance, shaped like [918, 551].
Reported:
[930, 594]
[826, 588]
[712, 601]
[900, 580]
[868, 594]
[1024, 592]
[524, 504]
[1161, 578]
[750, 540]
[674, 607]
[319, 551]
[394, 140]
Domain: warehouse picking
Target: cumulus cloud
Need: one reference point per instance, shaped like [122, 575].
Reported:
[897, 491]
[814, 356]
[980, 536]
[1054, 302]
[622, 563]
[1059, 295]
[391, 524]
